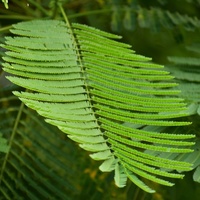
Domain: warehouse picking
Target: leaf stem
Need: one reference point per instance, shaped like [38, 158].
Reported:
[5, 29]
[11, 139]
[64, 15]
[77, 50]
[16, 17]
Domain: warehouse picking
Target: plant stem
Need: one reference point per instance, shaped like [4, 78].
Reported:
[11, 139]
[79, 60]
[64, 15]
[5, 29]
[16, 17]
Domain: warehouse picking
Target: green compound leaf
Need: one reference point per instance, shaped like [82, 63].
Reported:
[89, 85]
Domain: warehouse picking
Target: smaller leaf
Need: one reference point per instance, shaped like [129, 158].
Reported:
[87, 139]
[102, 155]
[138, 182]
[108, 165]
[120, 176]
[196, 175]
[94, 147]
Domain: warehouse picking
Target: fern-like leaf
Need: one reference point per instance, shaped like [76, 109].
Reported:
[88, 85]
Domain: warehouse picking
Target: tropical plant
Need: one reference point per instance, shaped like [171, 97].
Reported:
[113, 102]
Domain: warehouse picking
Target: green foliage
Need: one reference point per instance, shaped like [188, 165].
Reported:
[61, 67]
[131, 14]
[187, 73]
[38, 158]
[43, 163]
[39, 162]
[192, 158]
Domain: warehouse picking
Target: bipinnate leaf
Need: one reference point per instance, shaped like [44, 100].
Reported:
[89, 85]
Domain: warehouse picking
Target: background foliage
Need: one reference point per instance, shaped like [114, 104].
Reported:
[166, 30]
